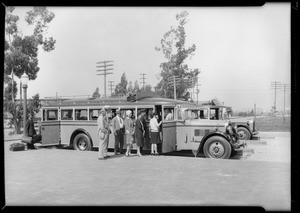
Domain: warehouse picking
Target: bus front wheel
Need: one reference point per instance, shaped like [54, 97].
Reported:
[82, 142]
[217, 147]
[243, 133]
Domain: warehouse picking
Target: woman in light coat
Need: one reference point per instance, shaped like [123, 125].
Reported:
[129, 130]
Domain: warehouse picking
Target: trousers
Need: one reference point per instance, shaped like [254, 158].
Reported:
[119, 141]
[103, 146]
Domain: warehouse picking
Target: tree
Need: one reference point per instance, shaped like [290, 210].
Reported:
[16, 110]
[96, 94]
[34, 104]
[130, 87]
[121, 88]
[136, 88]
[21, 52]
[148, 87]
[174, 50]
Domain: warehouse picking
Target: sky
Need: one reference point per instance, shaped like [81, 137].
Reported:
[239, 50]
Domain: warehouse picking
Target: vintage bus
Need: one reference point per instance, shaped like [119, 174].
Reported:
[74, 123]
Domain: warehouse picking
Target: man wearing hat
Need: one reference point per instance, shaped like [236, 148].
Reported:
[117, 127]
[30, 131]
[102, 134]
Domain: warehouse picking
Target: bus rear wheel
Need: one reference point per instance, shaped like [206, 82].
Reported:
[217, 147]
[82, 142]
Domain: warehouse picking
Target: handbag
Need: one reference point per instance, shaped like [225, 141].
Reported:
[17, 147]
[26, 139]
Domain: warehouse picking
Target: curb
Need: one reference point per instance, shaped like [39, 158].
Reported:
[16, 139]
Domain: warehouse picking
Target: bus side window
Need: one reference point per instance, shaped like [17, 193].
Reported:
[94, 114]
[66, 114]
[213, 114]
[81, 114]
[168, 114]
[52, 114]
[203, 114]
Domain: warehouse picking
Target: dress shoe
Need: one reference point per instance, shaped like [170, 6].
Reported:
[107, 156]
[101, 158]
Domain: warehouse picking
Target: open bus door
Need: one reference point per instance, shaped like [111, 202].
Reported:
[168, 129]
[50, 129]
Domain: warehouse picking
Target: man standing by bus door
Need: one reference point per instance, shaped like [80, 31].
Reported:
[117, 126]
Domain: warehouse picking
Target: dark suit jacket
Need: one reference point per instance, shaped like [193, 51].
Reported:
[138, 129]
[29, 128]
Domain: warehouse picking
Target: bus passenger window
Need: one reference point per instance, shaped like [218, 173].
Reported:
[169, 114]
[94, 114]
[203, 114]
[81, 114]
[213, 114]
[194, 114]
[51, 115]
[67, 114]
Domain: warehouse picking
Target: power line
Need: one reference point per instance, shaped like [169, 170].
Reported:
[174, 80]
[104, 68]
[143, 82]
[275, 85]
[111, 87]
[194, 81]
[286, 87]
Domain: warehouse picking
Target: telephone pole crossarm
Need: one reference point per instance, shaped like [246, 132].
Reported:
[105, 67]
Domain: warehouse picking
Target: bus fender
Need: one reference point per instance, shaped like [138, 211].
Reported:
[76, 132]
[211, 134]
[245, 126]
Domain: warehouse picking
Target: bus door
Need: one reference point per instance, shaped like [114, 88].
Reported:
[168, 129]
[50, 129]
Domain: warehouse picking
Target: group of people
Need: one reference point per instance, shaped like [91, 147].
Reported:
[134, 132]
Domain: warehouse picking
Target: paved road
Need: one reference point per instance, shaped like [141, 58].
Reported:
[66, 177]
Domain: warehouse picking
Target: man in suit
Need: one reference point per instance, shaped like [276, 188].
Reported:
[117, 126]
[102, 134]
[30, 131]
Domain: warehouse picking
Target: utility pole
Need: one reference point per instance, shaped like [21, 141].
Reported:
[174, 80]
[194, 82]
[111, 87]
[20, 92]
[12, 87]
[197, 89]
[104, 67]
[143, 80]
[275, 85]
[286, 87]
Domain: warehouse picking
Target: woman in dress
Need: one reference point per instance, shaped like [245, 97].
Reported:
[129, 130]
[154, 133]
[139, 132]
